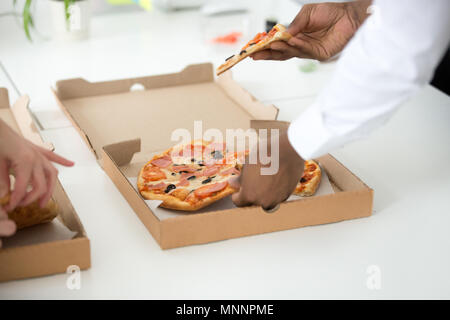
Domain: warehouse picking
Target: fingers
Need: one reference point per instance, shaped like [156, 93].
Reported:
[301, 21]
[234, 182]
[50, 155]
[289, 49]
[239, 199]
[269, 54]
[280, 51]
[39, 184]
[262, 55]
[3, 214]
[51, 174]
[4, 179]
[305, 48]
[7, 228]
[23, 177]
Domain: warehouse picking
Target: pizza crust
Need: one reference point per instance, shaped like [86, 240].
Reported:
[175, 203]
[310, 187]
[281, 35]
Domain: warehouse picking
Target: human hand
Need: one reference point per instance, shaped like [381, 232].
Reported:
[31, 166]
[319, 31]
[7, 227]
[268, 191]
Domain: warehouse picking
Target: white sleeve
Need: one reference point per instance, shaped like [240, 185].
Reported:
[393, 54]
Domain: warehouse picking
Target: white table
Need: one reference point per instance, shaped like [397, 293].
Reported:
[405, 162]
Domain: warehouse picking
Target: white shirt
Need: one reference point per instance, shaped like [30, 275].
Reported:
[392, 55]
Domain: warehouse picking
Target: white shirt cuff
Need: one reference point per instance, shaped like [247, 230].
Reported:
[308, 135]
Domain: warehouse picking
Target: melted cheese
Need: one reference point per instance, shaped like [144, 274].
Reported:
[193, 183]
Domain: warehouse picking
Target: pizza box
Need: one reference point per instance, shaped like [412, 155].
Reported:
[125, 121]
[48, 248]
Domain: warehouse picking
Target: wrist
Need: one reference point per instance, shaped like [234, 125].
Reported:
[288, 151]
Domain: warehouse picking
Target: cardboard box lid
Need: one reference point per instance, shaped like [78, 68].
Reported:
[113, 111]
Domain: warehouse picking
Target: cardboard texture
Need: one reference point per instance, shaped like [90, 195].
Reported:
[123, 127]
[47, 258]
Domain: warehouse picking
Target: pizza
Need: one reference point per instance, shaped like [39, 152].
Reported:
[192, 176]
[260, 42]
[310, 180]
[32, 214]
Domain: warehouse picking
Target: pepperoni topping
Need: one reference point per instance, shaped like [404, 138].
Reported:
[208, 190]
[162, 162]
[229, 171]
[159, 186]
[153, 174]
[306, 177]
[193, 150]
[272, 32]
[187, 175]
[183, 168]
[183, 183]
[210, 171]
[255, 40]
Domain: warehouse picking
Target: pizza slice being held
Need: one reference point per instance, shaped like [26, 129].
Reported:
[260, 42]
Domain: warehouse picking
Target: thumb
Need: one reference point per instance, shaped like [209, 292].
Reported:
[307, 49]
[234, 182]
[297, 43]
[4, 179]
[239, 199]
[300, 21]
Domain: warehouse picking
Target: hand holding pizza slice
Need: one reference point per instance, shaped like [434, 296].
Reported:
[260, 42]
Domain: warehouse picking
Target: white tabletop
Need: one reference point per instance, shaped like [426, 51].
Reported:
[405, 162]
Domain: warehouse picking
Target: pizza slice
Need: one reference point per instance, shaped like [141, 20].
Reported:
[310, 180]
[260, 42]
[32, 214]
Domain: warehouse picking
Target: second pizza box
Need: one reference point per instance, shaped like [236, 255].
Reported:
[125, 121]
[55, 247]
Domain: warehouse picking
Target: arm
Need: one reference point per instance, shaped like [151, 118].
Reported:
[31, 165]
[393, 54]
[320, 31]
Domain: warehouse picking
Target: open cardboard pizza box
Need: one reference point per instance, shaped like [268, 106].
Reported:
[124, 126]
[47, 248]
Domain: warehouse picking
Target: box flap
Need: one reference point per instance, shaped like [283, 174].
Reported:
[106, 113]
[242, 97]
[77, 88]
[19, 118]
[4, 98]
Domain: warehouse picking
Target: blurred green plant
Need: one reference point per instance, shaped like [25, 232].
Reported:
[28, 19]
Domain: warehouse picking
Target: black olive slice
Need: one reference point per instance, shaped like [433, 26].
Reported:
[169, 188]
